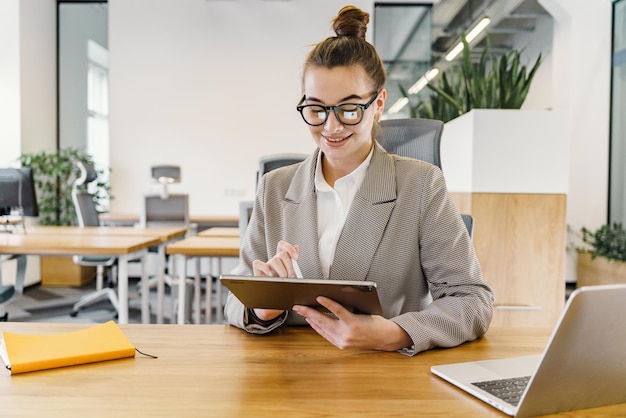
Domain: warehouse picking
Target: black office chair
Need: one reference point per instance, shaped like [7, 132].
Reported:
[271, 162]
[245, 212]
[420, 139]
[87, 215]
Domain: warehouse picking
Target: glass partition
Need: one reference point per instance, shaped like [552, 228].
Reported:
[402, 37]
[617, 176]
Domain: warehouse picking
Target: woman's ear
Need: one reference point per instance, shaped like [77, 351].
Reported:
[380, 103]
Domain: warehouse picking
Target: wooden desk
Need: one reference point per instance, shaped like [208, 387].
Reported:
[166, 235]
[203, 221]
[220, 371]
[202, 247]
[124, 247]
[220, 232]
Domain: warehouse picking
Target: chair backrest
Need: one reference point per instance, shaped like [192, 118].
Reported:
[420, 139]
[414, 138]
[174, 210]
[271, 162]
[86, 211]
[171, 172]
[468, 220]
[84, 203]
[245, 212]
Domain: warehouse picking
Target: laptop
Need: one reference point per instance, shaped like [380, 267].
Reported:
[283, 293]
[583, 365]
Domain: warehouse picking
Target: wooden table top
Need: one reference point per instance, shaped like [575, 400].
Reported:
[134, 217]
[223, 231]
[206, 247]
[78, 244]
[220, 371]
[164, 233]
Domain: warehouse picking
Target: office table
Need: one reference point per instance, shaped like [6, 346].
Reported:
[117, 219]
[124, 247]
[220, 371]
[202, 247]
[166, 236]
[217, 231]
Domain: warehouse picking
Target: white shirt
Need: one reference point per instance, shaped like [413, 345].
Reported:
[333, 206]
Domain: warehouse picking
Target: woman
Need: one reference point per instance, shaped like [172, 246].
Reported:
[351, 211]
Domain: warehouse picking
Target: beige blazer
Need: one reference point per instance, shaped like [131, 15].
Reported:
[402, 231]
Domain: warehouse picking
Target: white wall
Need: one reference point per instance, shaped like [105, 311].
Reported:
[581, 88]
[9, 82]
[210, 86]
[38, 75]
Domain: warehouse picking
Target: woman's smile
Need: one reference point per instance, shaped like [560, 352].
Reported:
[336, 139]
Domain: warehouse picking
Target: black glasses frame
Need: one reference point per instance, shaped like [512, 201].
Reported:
[335, 109]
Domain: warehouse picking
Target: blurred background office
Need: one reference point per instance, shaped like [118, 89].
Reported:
[211, 85]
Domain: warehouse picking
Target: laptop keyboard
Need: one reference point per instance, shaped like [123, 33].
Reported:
[509, 390]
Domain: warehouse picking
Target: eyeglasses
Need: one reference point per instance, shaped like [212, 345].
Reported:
[346, 113]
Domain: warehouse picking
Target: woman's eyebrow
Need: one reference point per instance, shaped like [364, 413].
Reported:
[352, 96]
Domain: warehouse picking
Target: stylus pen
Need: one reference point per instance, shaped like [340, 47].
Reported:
[296, 267]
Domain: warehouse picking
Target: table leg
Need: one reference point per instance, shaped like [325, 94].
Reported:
[208, 307]
[181, 279]
[122, 289]
[160, 283]
[220, 306]
[145, 292]
[197, 291]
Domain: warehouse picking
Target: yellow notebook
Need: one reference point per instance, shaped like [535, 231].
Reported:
[26, 353]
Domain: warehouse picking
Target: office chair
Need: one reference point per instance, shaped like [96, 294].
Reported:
[169, 210]
[271, 162]
[245, 212]
[420, 139]
[10, 293]
[88, 215]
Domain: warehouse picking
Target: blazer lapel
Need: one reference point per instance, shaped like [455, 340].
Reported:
[366, 221]
[300, 217]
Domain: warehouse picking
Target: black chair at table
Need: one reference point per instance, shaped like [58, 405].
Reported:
[420, 139]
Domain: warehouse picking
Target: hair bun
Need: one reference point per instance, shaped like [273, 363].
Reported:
[351, 21]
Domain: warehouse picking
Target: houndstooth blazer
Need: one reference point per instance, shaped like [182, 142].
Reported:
[402, 231]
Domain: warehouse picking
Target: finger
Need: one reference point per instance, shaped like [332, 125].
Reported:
[260, 268]
[336, 308]
[281, 265]
[322, 331]
[287, 263]
[284, 246]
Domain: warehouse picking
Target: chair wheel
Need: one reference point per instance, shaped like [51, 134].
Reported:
[73, 314]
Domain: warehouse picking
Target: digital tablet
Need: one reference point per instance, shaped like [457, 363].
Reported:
[283, 293]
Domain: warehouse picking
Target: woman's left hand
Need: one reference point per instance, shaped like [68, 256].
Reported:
[349, 330]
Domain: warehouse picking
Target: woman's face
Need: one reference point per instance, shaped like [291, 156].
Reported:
[344, 146]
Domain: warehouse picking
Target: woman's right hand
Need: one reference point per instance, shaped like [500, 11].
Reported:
[280, 265]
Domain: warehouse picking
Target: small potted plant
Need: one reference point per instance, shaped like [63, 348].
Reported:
[602, 257]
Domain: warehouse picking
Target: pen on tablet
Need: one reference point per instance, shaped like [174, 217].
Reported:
[296, 267]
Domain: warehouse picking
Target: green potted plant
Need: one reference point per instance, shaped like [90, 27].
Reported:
[494, 82]
[602, 255]
[55, 173]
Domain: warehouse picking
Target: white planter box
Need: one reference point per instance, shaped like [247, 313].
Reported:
[506, 151]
